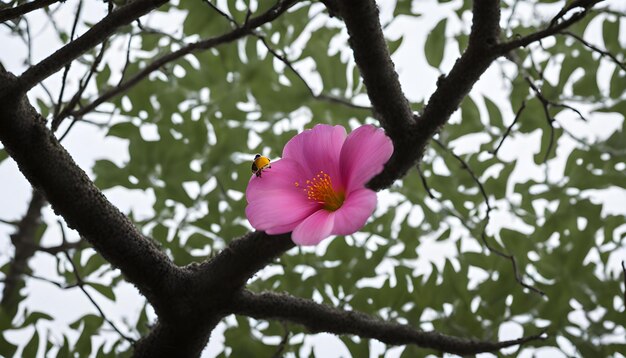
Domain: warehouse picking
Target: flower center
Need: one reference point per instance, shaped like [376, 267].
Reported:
[320, 189]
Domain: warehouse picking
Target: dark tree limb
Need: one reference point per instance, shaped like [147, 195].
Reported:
[50, 169]
[390, 105]
[15, 12]
[451, 90]
[321, 318]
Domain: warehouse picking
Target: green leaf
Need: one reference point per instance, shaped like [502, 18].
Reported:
[7, 349]
[197, 241]
[435, 44]
[33, 345]
[611, 33]
[106, 291]
[495, 116]
[33, 317]
[394, 45]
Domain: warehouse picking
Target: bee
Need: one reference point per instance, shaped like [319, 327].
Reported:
[259, 164]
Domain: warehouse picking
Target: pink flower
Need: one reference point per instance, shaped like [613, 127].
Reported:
[318, 188]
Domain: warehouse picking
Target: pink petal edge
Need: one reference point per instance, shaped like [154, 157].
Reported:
[353, 214]
[280, 177]
[274, 202]
[317, 149]
[314, 229]
[364, 153]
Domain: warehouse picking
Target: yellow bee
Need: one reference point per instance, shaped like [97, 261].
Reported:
[259, 163]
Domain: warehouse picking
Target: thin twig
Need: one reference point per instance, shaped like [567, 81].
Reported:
[518, 277]
[283, 58]
[602, 53]
[61, 285]
[80, 283]
[585, 4]
[29, 42]
[508, 130]
[468, 169]
[56, 122]
[9, 222]
[65, 246]
[95, 35]
[222, 13]
[424, 182]
[545, 103]
[536, 36]
[57, 108]
[487, 219]
[320, 96]
[283, 343]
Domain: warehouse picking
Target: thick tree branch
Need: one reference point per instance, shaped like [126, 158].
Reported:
[12, 13]
[235, 265]
[95, 35]
[390, 105]
[320, 318]
[450, 91]
[48, 167]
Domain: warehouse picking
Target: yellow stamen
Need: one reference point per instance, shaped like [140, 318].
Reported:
[320, 189]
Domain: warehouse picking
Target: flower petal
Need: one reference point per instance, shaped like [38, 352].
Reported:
[354, 212]
[363, 155]
[314, 229]
[280, 211]
[317, 149]
[275, 204]
[280, 177]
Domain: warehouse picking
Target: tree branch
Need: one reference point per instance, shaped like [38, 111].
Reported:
[25, 246]
[48, 167]
[549, 31]
[229, 270]
[320, 318]
[237, 33]
[390, 105]
[594, 48]
[95, 35]
[81, 284]
[509, 128]
[451, 90]
[12, 13]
